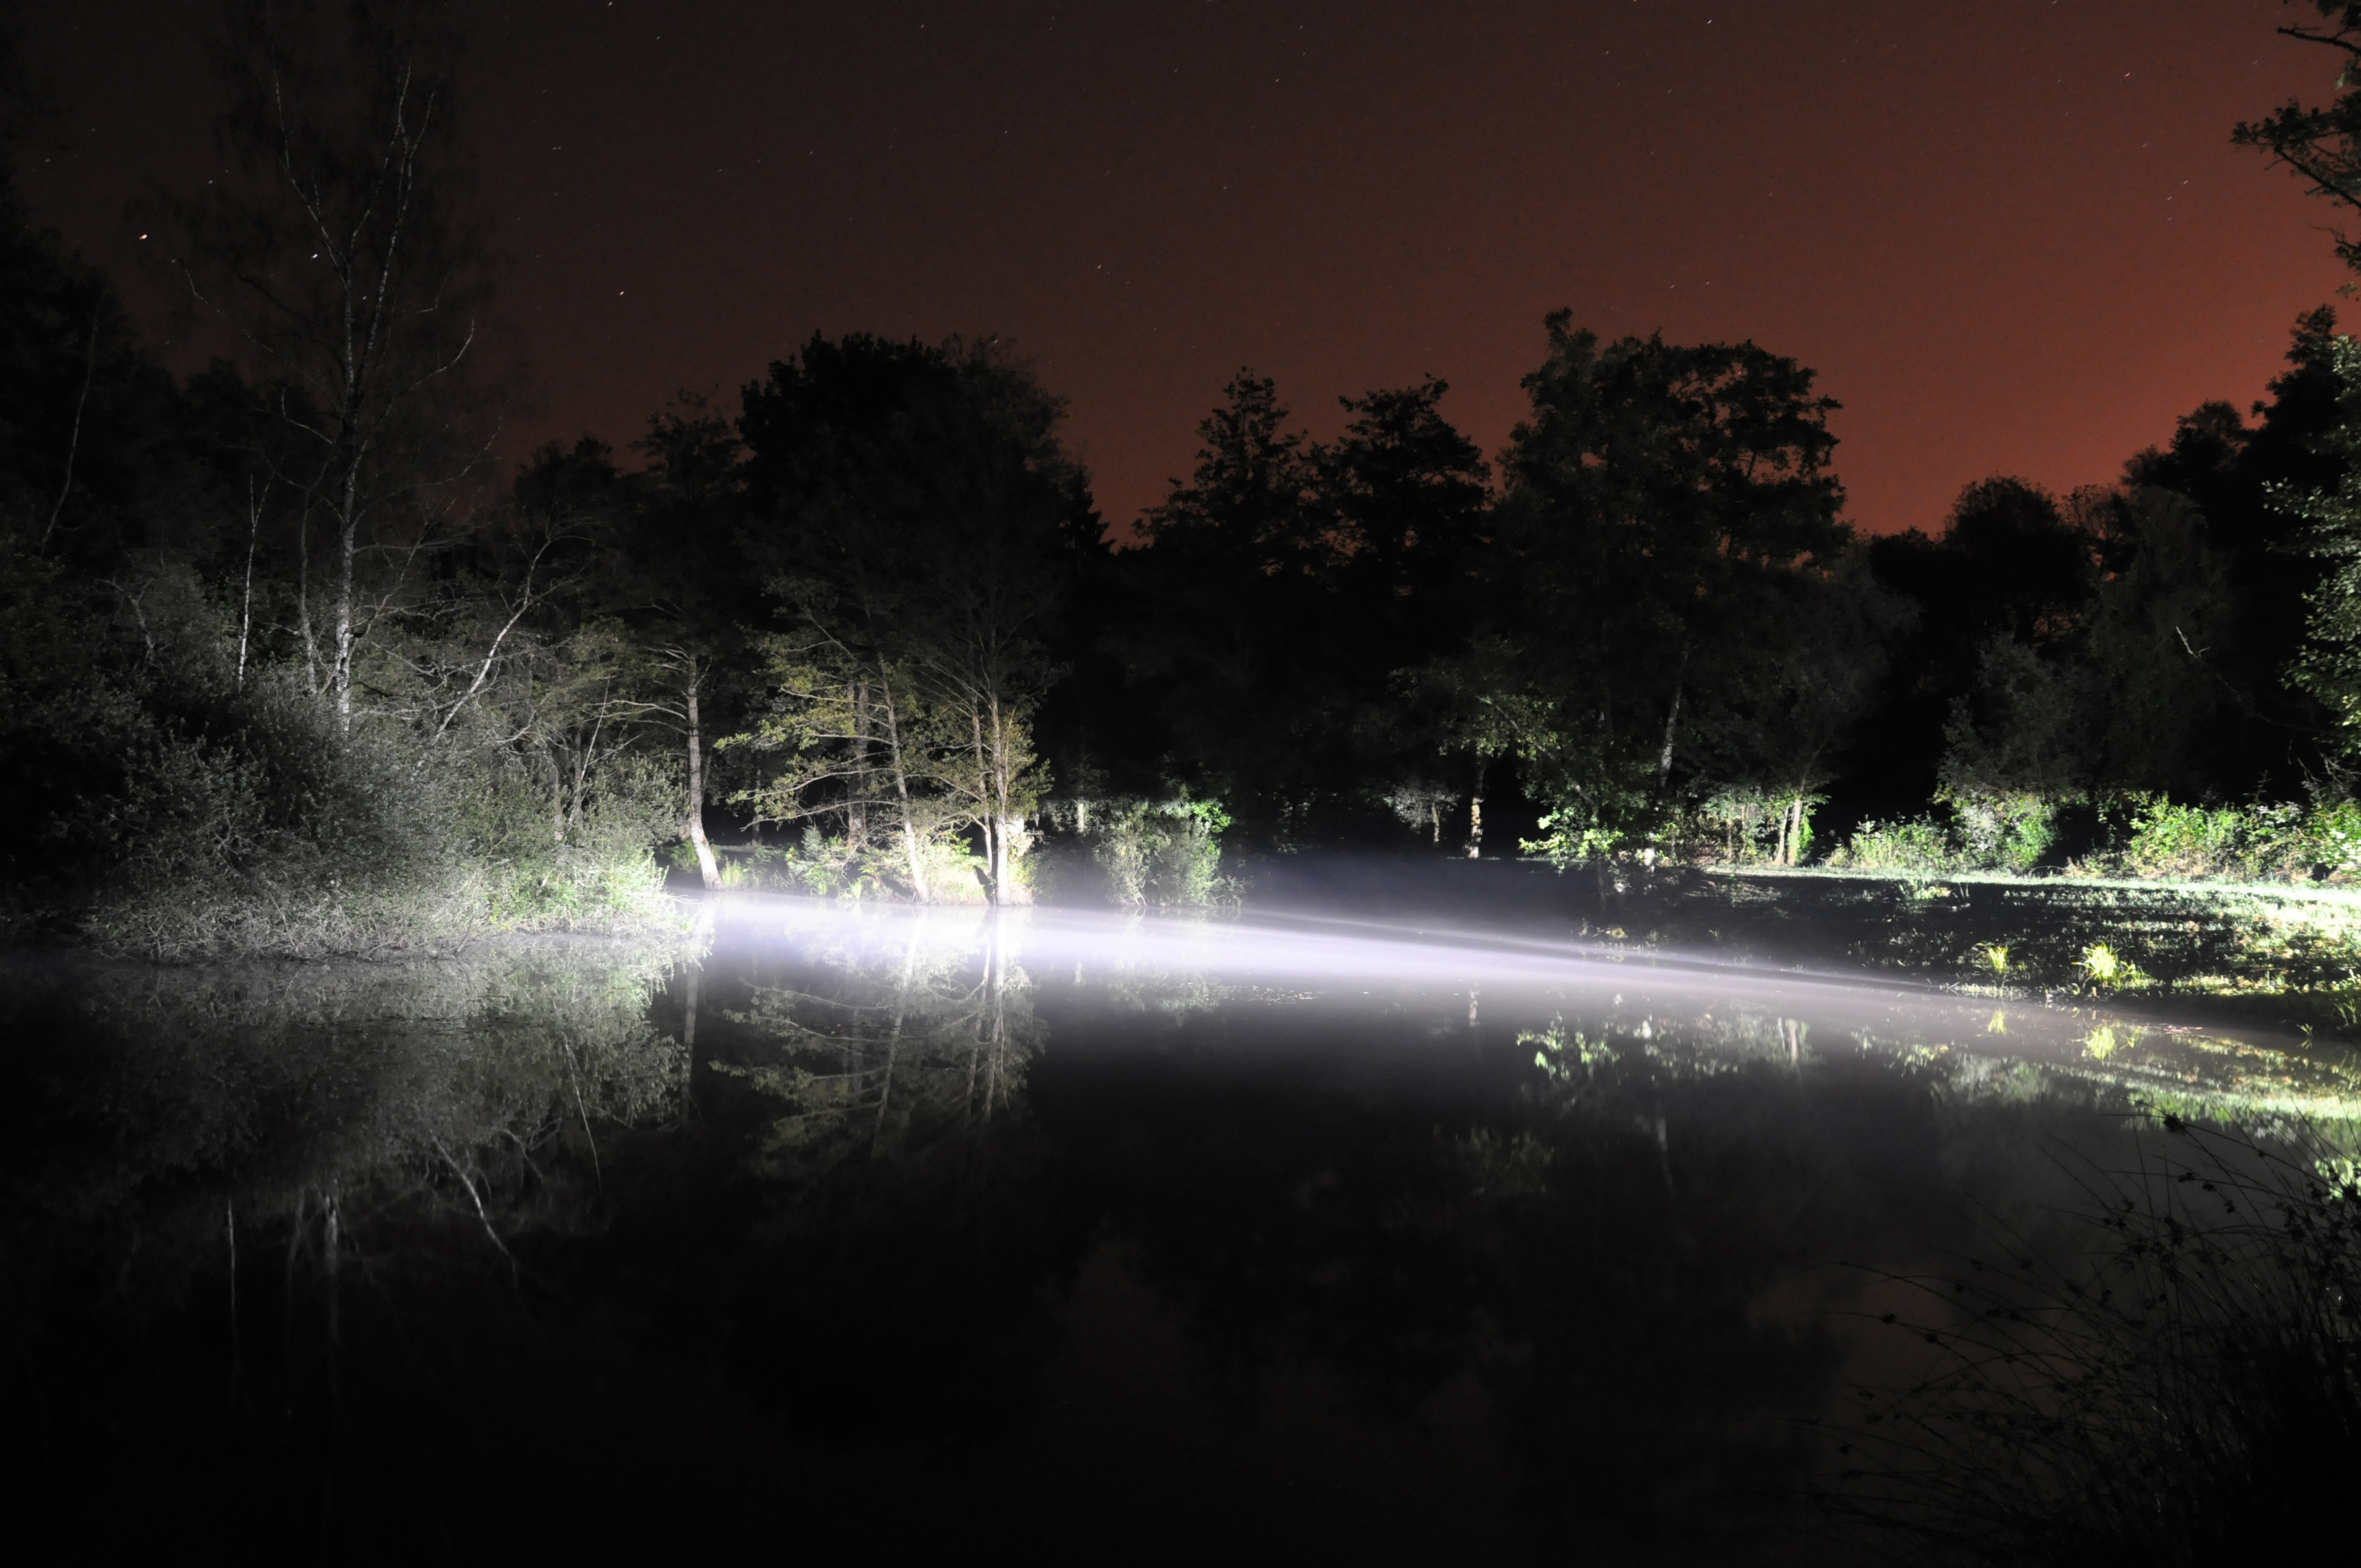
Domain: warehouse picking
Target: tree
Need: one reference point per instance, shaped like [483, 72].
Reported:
[2008, 566]
[2330, 666]
[88, 421]
[1284, 585]
[2321, 143]
[1783, 717]
[693, 594]
[912, 509]
[1653, 494]
[2266, 730]
[1406, 494]
[1226, 599]
[341, 259]
[862, 734]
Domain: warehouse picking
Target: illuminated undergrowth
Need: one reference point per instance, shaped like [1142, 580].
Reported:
[2300, 947]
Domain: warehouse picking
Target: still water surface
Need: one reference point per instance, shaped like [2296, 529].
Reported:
[880, 1234]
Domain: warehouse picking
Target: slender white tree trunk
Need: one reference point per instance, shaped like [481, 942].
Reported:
[901, 784]
[348, 546]
[246, 604]
[1672, 726]
[73, 437]
[303, 628]
[705, 867]
[1476, 814]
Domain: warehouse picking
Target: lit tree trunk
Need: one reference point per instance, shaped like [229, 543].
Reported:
[986, 814]
[856, 816]
[590, 754]
[1671, 726]
[304, 601]
[236, 1368]
[705, 867]
[901, 783]
[1000, 813]
[349, 524]
[73, 436]
[246, 603]
[1476, 813]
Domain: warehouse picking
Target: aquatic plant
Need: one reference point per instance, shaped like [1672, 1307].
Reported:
[2103, 966]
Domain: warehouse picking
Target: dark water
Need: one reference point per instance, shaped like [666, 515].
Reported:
[906, 1236]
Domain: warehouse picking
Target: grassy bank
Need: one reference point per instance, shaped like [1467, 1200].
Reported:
[2293, 946]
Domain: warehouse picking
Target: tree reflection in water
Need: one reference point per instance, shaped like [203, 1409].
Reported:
[1027, 1230]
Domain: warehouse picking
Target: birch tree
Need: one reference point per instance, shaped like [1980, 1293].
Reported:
[336, 253]
[917, 506]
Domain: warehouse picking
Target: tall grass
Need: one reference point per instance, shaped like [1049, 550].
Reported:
[2185, 1387]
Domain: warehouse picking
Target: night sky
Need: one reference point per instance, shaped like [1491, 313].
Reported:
[2009, 234]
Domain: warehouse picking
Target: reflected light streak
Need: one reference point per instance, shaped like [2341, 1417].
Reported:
[1343, 964]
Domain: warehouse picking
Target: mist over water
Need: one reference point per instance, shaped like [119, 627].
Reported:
[889, 1231]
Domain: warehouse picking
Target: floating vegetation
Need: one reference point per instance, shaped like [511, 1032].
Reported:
[2103, 968]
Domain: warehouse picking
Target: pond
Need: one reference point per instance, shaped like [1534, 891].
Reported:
[886, 1234]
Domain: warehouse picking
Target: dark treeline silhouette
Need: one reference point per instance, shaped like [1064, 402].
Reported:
[289, 655]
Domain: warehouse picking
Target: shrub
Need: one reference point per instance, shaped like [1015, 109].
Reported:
[1738, 825]
[2331, 838]
[1162, 852]
[2168, 839]
[826, 866]
[2003, 830]
[1918, 844]
[175, 805]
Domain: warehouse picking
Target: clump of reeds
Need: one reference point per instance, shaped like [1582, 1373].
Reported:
[2186, 1390]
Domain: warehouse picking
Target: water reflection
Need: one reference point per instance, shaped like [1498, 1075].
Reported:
[928, 1228]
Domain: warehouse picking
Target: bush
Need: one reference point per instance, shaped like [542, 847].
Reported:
[2003, 830]
[825, 865]
[1746, 824]
[173, 807]
[2170, 840]
[1160, 852]
[1987, 830]
[2250, 843]
[2331, 837]
[1919, 844]
[604, 873]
